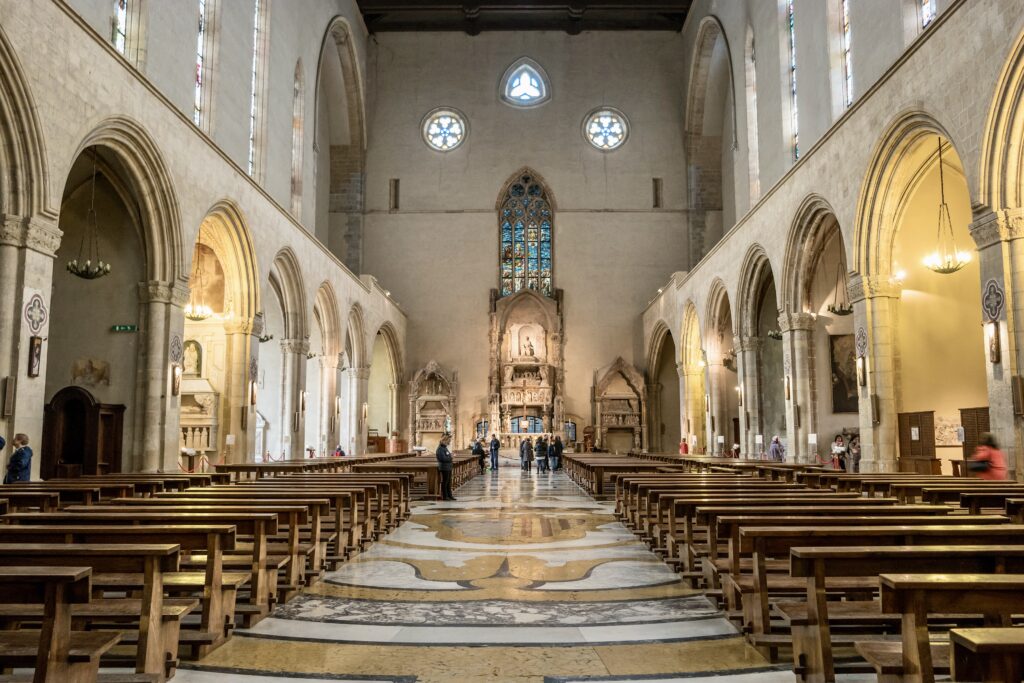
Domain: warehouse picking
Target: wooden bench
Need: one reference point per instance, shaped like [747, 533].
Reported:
[991, 655]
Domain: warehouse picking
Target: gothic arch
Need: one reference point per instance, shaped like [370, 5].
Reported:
[717, 298]
[226, 232]
[325, 310]
[662, 333]
[755, 275]
[514, 178]
[692, 344]
[885, 189]
[339, 31]
[152, 189]
[286, 279]
[390, 337]
[813, 223]
[1002, 154]
[24, 183]
[356, 337]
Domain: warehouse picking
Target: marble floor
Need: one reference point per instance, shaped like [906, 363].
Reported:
[523, 578]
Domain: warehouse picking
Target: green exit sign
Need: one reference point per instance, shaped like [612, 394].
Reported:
[124, 328]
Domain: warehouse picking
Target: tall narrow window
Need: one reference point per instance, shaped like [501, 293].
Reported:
[298, 115]
[525, 219]
[753, 157]
[197, 103]
[259, 58]
[794, 117]
[119, 31]
[844, 34]
[927, 12]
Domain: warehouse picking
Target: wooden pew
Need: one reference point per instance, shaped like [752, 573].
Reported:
[811, 620]
[216, 588]
[994, 596]
[991, 655]
[58, 654]
[157, 626]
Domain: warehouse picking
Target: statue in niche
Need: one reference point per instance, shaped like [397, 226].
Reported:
[192, 362]
[508, 374]
[528, 349]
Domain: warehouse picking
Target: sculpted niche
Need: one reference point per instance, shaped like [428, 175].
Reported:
[432, 405]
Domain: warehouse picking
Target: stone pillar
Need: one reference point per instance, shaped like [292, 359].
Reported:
[684, 434]
[394, 391]
[998, 235]
[718, 413]
[27, 250]
[328, 427]
[655, 419]
[748, 354]
[359, 383]
[237, 411]
[158, 412]
[798, 363]
[875, 306]
[293, 382]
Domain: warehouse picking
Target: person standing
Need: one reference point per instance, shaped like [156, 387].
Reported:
[526, 451]
[853, 457]
[542, 454]
[555, 454]
[776, 451]
[839, 453]
[987, 462]
[481, 456]
[445, 466]
[495, 450]
[19, 467]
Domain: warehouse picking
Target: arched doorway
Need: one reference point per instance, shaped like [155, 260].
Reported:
[696, 429]
[382, 402]
[763, 372]
[929, 378]
[664, 387]
[322, 375]
[724, 387]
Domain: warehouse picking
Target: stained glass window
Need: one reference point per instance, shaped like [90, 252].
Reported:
[927, 12]
[527, 425]
[444, 129]
[794, 120]
[120, 25]
[525, 219]
[606, 128]
[197, 104]
[570, 432]
[524, 84]
[847, 66]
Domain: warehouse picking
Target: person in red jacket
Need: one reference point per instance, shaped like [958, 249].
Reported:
[987, 462]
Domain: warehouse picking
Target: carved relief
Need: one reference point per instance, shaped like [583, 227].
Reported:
[432, 403]
[620, 405]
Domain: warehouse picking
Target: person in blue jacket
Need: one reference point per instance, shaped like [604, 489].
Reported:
[495, 446]
[445, 466]
[19, 467]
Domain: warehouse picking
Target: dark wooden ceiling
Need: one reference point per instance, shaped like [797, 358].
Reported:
[540, 15]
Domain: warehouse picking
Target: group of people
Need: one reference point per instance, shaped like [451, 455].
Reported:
[548, 456]
[19, 467]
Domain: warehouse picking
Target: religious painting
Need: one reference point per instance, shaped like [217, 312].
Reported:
[90, 372]
[842, 350]
[35, 356]
[193, 358]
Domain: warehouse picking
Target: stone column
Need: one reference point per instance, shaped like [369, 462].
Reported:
[684, 434]
[875, 306]
[998, 235]
[655, 419]
[359, 379]
[748, 355]
[798, 363]
[393, 408]
[718, 413]
[237, 412]
[328, 427]
[157, 411]
[293, 381]
[27, 250]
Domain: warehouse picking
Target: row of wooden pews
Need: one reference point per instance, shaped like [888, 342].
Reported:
[903, 576]
[169, 564]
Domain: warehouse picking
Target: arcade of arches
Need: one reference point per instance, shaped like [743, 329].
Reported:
[253, 231]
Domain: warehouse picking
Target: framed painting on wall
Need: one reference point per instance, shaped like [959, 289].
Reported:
[843, 364]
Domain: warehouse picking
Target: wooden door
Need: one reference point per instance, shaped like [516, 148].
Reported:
[917, 455]
[975, 423]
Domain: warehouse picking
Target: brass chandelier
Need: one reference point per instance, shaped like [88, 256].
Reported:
[89, 265]
[946, 258]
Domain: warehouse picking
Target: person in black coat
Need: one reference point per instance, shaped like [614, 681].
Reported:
[495, 450]
[526, 454]
[481, 456]
[444, 467]
[555, 453]
[19, 467]
[542, 454]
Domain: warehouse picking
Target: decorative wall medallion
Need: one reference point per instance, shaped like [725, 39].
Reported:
[176, 349]
[254, 369]
[36, 313]
[992, 300]
[862, 342]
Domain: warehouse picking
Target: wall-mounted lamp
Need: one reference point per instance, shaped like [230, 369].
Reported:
[862, 371]
[302, 401]
[787, 384]
[739, 395]
[175, 379]
[337, 405]
[253, 386]
[992, 337]
[707, 402]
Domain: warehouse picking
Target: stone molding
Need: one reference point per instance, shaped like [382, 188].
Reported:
[162, 292]
[38, 234]
[991, 227]
[744, 344]
[861, 287]
[295, 346]
[795, 322]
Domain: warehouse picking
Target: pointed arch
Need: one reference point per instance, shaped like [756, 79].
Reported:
[717, 305]
[356, 337]
[526, 226]
[286, 279]
[755, 278]
[390, 337]
[661, 333]
[325, 309]
[226, 232]
[153, 189]
[1001, 177]
[24, 182]
[812, 225]
[692, 338]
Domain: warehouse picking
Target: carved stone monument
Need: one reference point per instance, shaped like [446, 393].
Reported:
[620, 407]
[432, 405]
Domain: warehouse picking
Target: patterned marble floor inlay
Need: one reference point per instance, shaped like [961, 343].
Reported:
[524, 578]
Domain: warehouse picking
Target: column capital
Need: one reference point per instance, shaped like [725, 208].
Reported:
[329, 362]
[681, 370]
[743, 343]
[359, 373]
[795, 322]
[162, 292]
[861, 287]
[295, 346]
[243, 326]
[38, 233]
[991, 227]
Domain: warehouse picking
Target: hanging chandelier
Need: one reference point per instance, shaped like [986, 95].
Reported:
[197, 309]
[841, 300]
[89, 265]
[946, 258]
